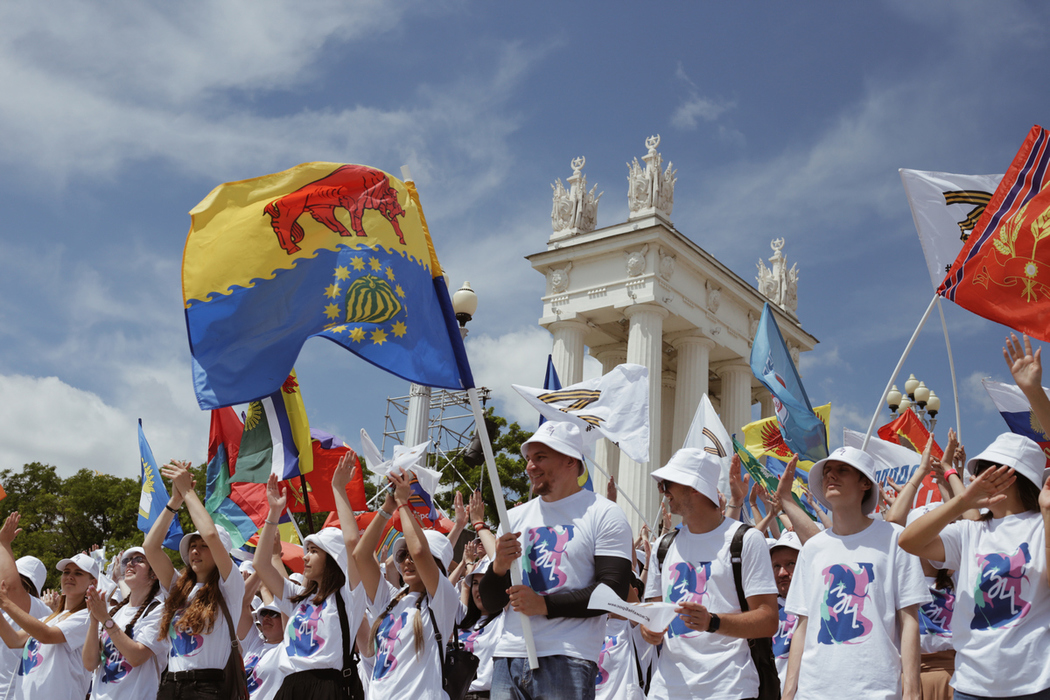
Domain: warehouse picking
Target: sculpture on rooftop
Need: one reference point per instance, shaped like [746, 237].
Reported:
[778, 283]
[575, 210]
[649, 189]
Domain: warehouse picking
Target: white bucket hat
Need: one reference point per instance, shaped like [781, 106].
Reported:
[330, 540]
[1017, 451]
[787, 539]
[440, 548]
[859, 460]
[34, 570]
[561, 436]
[83, 561]
[184, 543]
[695, 468]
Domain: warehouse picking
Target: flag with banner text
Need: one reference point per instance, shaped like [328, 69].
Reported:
[154, 495]
[276, 437]
[1002, 273]
[323, 249]
[803, 432]
[1015, 409]
[895, 462]
[614, 405]
[945, 208]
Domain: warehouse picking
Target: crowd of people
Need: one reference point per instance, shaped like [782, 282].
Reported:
[865, 601]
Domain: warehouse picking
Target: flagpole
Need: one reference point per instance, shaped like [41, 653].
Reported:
[896, 371]
[624, 494]
[302, 540]
[501, 509]
[951, 365]
[306, 502]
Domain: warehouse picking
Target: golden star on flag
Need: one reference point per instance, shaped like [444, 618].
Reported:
[331, 311]
[399, 329]
[378, 336]
[375, 264]
[342, 273]
[332, 291]
[339, 329]
[390, 274]
[399, 291]
[357, 334]
[357, 263]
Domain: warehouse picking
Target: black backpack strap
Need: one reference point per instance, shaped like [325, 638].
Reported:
[437, 636]
[736, 556]
[663, 546]
[351, 678]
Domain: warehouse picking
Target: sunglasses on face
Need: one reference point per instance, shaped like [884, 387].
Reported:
[136, 560]
[269, 613]
[402, 556]
[661, 486]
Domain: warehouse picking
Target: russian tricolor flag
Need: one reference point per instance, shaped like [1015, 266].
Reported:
[1017, 412]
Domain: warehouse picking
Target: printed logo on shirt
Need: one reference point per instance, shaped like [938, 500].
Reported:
[785, 631]
[250, 662]
[842, 618]
[183, 643]
[544, 553]
[997, 596]
[603, 674]
[302, 630]
[30, 657]
[688, 584]
[468, 637]
[935, 617]
[386, 637]
[116, 667]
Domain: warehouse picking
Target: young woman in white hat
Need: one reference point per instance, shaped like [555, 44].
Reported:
[123, 647]
[407, 652]
[51, 660]
[193, 619]
[311, 657]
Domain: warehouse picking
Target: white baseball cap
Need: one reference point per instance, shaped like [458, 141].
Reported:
[695, 468]
[859, 460]
[481, 567]
[787, 539]
[440, 548]
[81, 561]
[1017, 451]
[561, 436]
[34, 570]
[184, 543]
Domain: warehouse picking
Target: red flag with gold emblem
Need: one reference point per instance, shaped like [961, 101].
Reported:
[1003, 271]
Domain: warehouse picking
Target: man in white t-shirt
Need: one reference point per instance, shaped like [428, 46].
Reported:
[705, 650]
[573, 540]
[860, 591]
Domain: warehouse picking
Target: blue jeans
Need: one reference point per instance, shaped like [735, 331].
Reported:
[557, 678]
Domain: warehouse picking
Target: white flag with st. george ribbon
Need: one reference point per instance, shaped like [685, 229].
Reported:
[945, 207]
[614, 406]
[707, 433]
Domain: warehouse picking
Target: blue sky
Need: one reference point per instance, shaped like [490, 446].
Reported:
[783, 120]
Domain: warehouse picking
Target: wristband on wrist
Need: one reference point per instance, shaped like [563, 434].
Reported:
[948, 473]
[733, 505]
[270, 522]
[480, 525]
[173, 510]
[405, 505]
[386, 516]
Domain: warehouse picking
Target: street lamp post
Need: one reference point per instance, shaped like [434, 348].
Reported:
[918, 397]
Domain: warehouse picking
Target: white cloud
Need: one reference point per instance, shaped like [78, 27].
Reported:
[696, 107]
[518, 357]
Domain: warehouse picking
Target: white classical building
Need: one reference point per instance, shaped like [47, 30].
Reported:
[643, 292]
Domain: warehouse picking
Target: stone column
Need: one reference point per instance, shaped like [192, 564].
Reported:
[736, 395]
[568, 350]
[766, 400]
[606, 454]
[667, 403]
[694, 352]
[645, 347]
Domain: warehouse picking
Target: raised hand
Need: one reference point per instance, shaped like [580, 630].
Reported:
[460, 510]
[737, 484]
[179, 473]
[477, 507]
[96, 605]
[402, 486]
[1025, 366]
[345, 471]
[787, 479]
[987, 488]
[610, 489]
[10, 529]
[276, 495]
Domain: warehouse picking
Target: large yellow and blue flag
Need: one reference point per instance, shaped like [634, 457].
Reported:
[154, 495]
[771, 364]
[323, 249]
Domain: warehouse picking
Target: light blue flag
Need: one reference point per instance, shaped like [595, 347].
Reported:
[154, 495]
[802, 430]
